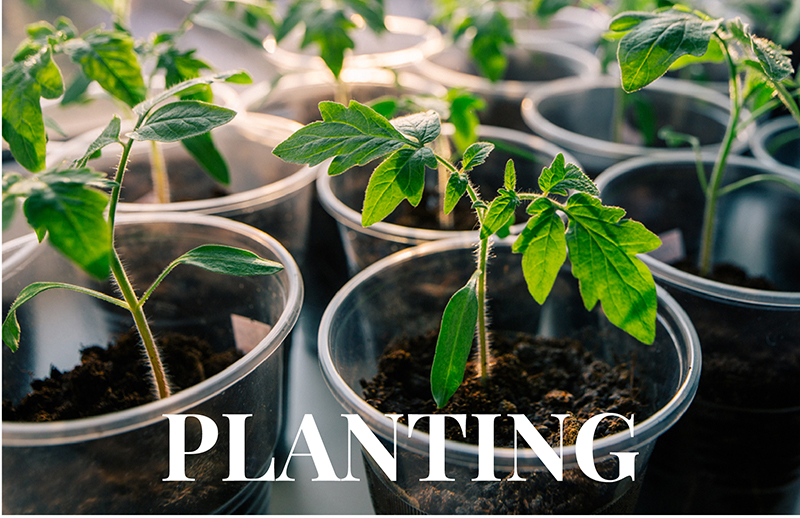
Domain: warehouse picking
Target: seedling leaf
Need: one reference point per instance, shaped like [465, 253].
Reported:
[202, 148]
[454, 343]
[66, 206]
[560, 177]
[110, 135]
[228, 260]
[109, 58]
[355, 135]
[475, 155]
[456, 187]
[543, 247]
[500, 211]
[231, 76]
[602, 249]
[182, 119]
[424, 127]
[656, 40]
[399, 177]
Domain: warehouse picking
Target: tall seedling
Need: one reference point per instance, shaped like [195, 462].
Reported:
[759, 71]
[71, 203]
[602, 246]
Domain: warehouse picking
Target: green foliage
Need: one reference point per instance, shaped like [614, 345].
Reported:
[601, 245]
[759, 70]
[182, 119]
[327, 23]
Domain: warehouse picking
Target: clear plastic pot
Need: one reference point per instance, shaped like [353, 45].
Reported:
[115, 463]
[343, 196]
[576, 25]
[734, 452]
[578, 114]
[406, 293]
[531, 64]
[777, 144]
[406, 41]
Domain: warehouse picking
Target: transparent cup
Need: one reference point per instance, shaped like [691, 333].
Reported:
[115, 463]
[732, 452]
[405, 294]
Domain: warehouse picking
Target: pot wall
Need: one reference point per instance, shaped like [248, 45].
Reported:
[115, 463]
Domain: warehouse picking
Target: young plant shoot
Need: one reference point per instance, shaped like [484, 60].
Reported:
[602, 246]
[759, 71]
[70, 203]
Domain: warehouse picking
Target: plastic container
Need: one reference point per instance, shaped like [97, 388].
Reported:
[407, 41]
[732, 452]
[406, 293]
[115, 463]
[343, 196]
[578, 114]
[576, 25]
[531, 64]
[777, 144]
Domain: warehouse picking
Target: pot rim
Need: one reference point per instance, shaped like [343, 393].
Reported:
[586, 64]
[267, 128]
[465, 454]
[762, 134]
[615, 150]
[432, 42]
[90, 428]
[675, 277]
[412, 235]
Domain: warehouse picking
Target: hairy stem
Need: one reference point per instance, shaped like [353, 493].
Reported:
[124, 284]
[712, 191]
[483, 339]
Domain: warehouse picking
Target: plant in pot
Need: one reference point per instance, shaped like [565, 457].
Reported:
[487, 59]
[98, 425]
[602, 248]
[343, 196]
[734, 228]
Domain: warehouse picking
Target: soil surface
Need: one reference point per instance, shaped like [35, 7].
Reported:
[531, 376]
[116, 378]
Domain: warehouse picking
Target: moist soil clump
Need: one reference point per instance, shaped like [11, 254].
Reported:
[529, 375]
[117, 378]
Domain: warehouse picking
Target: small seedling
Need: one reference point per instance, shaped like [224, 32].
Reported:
[602, 246]
[70, 203]
[760, 76]
[329, 23]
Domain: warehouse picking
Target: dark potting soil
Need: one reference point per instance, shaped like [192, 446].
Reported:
[116, 378]
[528, 375]
[533, 376]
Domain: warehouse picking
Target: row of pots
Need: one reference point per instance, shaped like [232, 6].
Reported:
[351, 319]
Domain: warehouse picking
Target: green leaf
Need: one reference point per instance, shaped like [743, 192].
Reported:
[492, 35]
[227, 25]
[713, 55]
[774, 59]
[371, 11]
[560, 177]
[76, 90]
[500, 211]
[543, 247]
[475, 155]
[401, 176]
[110, 135]
[228, 260]
[355, 135]
[328, 28]
[424, 127]
[181, 120]
[454, 343]
[231, 76]
[180, 66]
[510, 177]
[202, 148]
[11, 330]
[66, 206]
[456, 187]
[656, 41]
[108, 57]
[24, 82]
[602, 249]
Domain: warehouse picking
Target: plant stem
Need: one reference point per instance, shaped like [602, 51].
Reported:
[483, 339]
[124, 284]
[443, 148]
[158, 172]
[712, 191]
